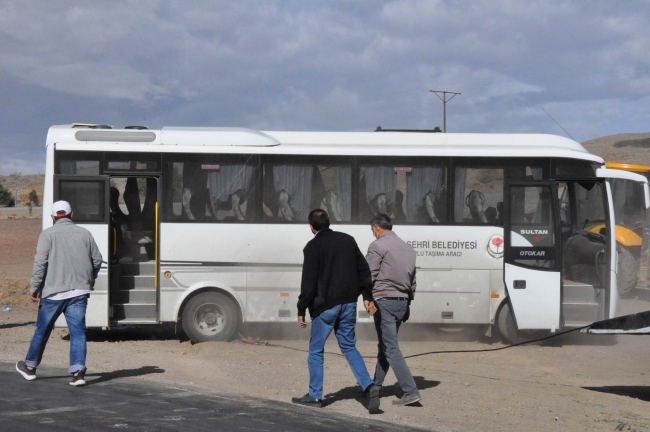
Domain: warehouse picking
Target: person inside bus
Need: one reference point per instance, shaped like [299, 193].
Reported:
[118, 223]
[149, 207]
[475, 201]
[195, 195]
[377, 190]
[288, 191]
[399, 215]
[132, 200]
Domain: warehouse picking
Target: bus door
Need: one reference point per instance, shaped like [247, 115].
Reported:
[88, 197]
[134, 249]
[532, 258]
[588, 260]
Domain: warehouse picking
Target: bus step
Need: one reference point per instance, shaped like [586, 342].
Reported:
[576, 323]
[583, 313]
[134, 312]
[147, 268]
[131, 296]
[575, 292]
[135, 282]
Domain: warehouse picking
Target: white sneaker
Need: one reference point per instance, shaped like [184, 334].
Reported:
[28, 374]
[78, 380]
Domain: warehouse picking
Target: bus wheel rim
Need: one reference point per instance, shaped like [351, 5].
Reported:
[210, 319]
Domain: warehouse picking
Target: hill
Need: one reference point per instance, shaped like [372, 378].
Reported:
[26, 183]
[633, 148]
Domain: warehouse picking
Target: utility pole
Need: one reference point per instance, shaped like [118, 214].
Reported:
[444, 104]
[16, 200]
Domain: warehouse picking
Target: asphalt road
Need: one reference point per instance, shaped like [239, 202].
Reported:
[117, 401]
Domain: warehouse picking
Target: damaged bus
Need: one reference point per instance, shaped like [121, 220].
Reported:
[205, 226]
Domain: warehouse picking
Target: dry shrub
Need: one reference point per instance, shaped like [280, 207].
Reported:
[14, 291]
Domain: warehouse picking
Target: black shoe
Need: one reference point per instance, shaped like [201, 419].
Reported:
[372, 395]
[408, 399]
[307, 400]
[28, 374]
[78, 379]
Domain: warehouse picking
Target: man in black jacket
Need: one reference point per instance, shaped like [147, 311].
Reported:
[334, 274]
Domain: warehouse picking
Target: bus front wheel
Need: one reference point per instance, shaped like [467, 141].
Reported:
[210, 316]
[508, 327]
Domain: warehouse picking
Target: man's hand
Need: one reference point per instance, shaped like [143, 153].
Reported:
[33, 297]
[370, 306]
[301, 322]
[407, 315]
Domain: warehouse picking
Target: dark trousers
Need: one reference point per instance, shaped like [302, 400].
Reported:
[388, 318]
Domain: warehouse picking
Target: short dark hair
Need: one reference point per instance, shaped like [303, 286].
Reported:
[382, 220]
[319, 219]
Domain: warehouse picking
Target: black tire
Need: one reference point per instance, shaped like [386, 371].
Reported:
[210, 316]
[508, 327]
[626, 275]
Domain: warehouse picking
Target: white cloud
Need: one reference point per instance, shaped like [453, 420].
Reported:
[326, 65]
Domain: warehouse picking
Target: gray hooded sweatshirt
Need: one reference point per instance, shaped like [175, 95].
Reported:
[67, 258]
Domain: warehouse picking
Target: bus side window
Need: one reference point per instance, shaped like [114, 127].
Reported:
[478, 194]
[410, 191]
[294, 186]
[336, 191]
[77, 163]
[478, 191]
[378, 192]
[213, 188]
[87, 198]
[426, 194]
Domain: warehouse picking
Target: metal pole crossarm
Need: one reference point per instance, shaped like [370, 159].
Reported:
[444, 104]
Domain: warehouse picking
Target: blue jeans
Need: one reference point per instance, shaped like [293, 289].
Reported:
[341, 319]
[74, 310]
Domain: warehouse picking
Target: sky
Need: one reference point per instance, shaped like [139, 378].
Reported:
[321, 66]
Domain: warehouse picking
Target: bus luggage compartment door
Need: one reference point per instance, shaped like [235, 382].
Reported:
[532, 264]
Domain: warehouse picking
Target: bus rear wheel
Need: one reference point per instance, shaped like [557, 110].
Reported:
[210, 316]
[508, 327]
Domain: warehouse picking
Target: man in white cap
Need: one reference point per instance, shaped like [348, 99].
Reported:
[65, 267]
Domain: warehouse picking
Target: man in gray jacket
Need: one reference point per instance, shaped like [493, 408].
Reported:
[392, 266]
[65, 267]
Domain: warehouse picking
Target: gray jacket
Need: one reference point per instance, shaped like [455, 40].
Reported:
[392, 265]
[66, 258]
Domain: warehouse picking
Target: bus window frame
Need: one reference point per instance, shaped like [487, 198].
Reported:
[166, 177]
[58, 178]
[508, 256]
[399, 161]
[544, 163]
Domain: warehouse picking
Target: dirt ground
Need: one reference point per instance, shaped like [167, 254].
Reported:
[574, 382]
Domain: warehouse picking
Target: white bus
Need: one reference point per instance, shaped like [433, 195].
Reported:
[206, 226]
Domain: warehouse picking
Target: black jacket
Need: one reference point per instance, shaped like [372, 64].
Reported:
[334, 272]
